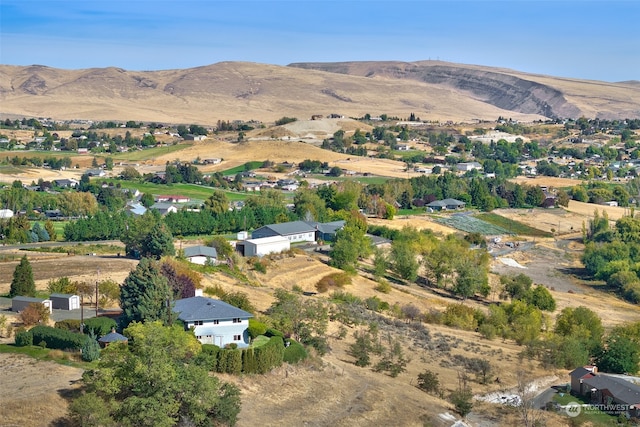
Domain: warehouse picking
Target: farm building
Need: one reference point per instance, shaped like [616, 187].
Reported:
[20, 303]
[64, 301]
[465, 167]
[214, 321]
[201, 254]
[294, 231]
[263, 246]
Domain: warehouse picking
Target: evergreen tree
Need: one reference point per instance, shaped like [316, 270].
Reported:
[145, 294]
[22, 283]
[91, 348]
[158, 242]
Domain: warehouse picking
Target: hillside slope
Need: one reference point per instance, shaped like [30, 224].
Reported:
[241, 90]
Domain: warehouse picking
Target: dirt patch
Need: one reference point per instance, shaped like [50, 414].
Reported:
[418, 222]
[32, 391]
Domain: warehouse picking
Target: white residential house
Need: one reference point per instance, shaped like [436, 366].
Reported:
[164, 208]
[469, 166]
[294, 231]
[214, 321]
[201, 254]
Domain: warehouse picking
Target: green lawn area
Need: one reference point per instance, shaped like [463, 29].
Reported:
[513, 227]
[193, 191]
[408, 212]
[147, 153]
[362, 179]
[247, 166]
[260, 341]
[594, 418]
[11, 170]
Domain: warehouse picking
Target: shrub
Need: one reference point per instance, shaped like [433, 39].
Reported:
[208, 357]
[249, 362]
[294, 352]
[376, 304]
[260, 267]
[270, 332]
[34, 313]
[99, 325]
[90, 349]
[345, 297]
[460, 316]
[428, 381]
[269, 355]
[240, 300]
[256, 328]
[230, 361]
[487, 331]
[333, 280]
[231, 346]
[58, 338]
[383, 286]
[68, 325]
[24, 338]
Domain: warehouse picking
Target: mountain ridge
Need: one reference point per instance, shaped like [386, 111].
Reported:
[432, 90]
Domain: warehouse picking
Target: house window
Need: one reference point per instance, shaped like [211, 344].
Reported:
[199, 337]
[216, 322]
[237, 320]
[198, 323]
[237, 338]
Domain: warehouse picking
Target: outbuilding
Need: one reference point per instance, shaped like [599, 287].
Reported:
[112, 337]
[65, 301]
[19, 303]
[263, 246]
[201, 254]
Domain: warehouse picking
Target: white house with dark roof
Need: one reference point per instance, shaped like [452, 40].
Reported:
[446, 204]
[294, 231]
[164, 208]
[201, 254]
[214, 321]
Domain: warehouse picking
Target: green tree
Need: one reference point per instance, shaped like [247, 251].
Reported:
[350, 244]
[404, 260]
[157, 243]
[155, 381]
[48, 226]
[145, 294]
[90, 348]
[222, 246]
[23, 283]
[428, 381]
[620, 355]
[147, 200]
[540, 297]
[462, 397]
[218, 202]
[583, 322]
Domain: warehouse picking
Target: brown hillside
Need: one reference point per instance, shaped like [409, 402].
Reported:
[239, 90]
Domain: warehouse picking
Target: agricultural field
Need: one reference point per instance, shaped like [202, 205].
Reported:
[193, 191]
[513, 227]
[471, 224]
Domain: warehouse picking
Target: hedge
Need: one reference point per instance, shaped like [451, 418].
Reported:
[24, 338]
[68, 324]
[294, 352]
[269, 355]
[100, 326]
[58, 338]
[249, 360]
[256, 328]
[230, 361]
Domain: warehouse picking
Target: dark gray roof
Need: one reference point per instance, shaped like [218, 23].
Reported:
[446, 202]
[622, 390]
[67, 296]
[203, 308]
[328, 227]
[200, 250]
[28, 299]
[293, 227]
[113, 337]
[579, 372]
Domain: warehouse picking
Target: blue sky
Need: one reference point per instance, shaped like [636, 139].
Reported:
[586, 39]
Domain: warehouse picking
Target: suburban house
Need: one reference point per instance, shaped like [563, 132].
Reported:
[611, 390]
[66, 183]
[96, 172]
[170, 198]
[294, 231]
[136, 209]
[327, 230]
[263, 246]
[19, 303]
[190, 137]
[403, 147]
[469, 166]
[164, 208]
[201, 254]
[65, 301]
[214, 321]
[446, 204]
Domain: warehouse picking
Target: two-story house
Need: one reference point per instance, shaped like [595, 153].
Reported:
[214, 321]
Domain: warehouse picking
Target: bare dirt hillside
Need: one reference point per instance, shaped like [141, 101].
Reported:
[240, 90]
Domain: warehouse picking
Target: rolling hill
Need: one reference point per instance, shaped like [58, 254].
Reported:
[432, 90]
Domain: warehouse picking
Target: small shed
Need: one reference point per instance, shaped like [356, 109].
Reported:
[201, 254]
[19, 303]
[112, 337]
[65, 301]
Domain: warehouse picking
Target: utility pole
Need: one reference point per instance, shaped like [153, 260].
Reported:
[97, 280]
[81, 313]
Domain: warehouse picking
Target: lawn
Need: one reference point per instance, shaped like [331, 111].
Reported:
[594, 418]
[259, 341]
[147, 153]
[512, 227]
[193, 191]
[246, 167]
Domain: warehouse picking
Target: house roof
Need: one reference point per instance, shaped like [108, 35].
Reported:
[265, 240]
[580, 372]
[203, 308]
[28, 299]
[293, 227]
[328, 227]
[446, 202]
[200, 250]
[113, 337]
[621, 389]
[67, 296]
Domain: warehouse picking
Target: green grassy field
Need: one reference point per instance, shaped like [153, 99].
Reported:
[148, 153]
[10, 170]
[193, 191]
[247, 166]
[513, 227]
